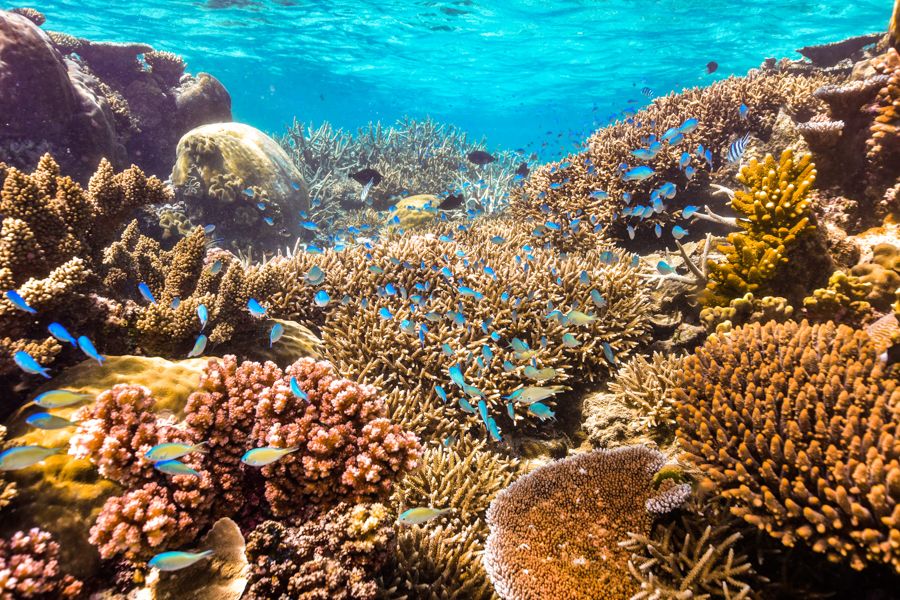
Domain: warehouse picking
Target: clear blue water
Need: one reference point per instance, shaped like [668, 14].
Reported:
[511, 70]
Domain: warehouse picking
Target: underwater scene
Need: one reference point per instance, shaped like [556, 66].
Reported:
[450, 300]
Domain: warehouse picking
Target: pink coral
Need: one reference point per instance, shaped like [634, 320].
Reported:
[116, 430]
[29, 568]
[222, 413]
[347, 446]
[153, 518]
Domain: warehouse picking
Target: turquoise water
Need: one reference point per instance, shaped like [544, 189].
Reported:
[510, 70]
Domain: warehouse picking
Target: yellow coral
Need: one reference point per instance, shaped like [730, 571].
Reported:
[776, 212]
[843, 300]
[746, 309]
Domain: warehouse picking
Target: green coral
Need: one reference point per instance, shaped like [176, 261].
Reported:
[776, 213]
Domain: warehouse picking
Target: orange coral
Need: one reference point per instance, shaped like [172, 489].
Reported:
[796, 426]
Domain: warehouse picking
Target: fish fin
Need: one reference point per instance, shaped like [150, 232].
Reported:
[197, 448]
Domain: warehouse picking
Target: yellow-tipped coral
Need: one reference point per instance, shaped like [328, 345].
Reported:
[775, 213]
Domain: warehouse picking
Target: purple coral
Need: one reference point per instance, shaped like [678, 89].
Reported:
[29, 568]
[347, 446]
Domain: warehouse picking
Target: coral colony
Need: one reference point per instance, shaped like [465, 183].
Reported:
[397, 364]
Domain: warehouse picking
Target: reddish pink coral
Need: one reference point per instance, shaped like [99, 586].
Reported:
[153, 518]
[347, 446]
[117, 429]
[222, 413]
[29, 568]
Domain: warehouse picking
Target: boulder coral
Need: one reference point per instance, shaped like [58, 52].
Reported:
[555, 532]
[794, 425]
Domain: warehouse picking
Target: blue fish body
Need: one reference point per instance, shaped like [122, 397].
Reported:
[174, 561]
[14, 297]
[174, 467]
[256, 310]
[442, 394]
[679, 232]
[688, 211]
[295, 389]
[199, 346]
[203, 315]
[456, 376]
[88, 348]
[275, 333]
[61, 333]
[385, 314]
[144, 289]
[637, 174]
[689, 126]
[321, 298]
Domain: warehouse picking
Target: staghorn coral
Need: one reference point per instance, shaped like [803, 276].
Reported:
[555, 532]
[882, 274]
[337, 555]
[794, 425]
[715, 107]
[347, 445]
[649, 387]
[843, 301]
[776, 213]
[29, 568]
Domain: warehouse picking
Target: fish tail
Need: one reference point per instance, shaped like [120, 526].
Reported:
[197, 447]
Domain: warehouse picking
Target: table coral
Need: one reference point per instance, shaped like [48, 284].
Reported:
[794, 425]
[29, 568]
[337, 555]
[555, 532]
[775, 213]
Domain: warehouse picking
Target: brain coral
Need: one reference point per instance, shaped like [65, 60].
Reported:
[555, 532]
[796, 426]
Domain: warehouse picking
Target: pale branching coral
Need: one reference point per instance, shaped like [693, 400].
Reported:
[29, 568]
[795, 426]
[555, 532]
[649, 387]
[337, 555]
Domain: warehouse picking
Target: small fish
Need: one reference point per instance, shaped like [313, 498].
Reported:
[266, 455]
[175, 561]
[420, 515]
[376, 269]
[598, 299]
[541, 411]
[275, 333]
[441, 392]
[47, 421]
[456, 375]
[22, 457]
[176, 302]
[743, 111]
[646, 91]
[688, 211]
[174, 467]
[480, 157]
[269, 221]
[668, 190]
[490, 272]
[599, 194]
[711, 67]
[679, 232]
[664, 268]
[657, 229]
[256, 310]
[295, 389]
[216, 267]
[570, 341]
[685, 160]
[497, 239]
[579, 318]
[366, 175]
[669, 134]
[315, 275]
[14, 297]
[493, 429]
[737, 147]
[88, 348]
[203, 315]
[528, 395]
[144, 289]
[466, 406]
[199, 346]
[385, 314]
[321, 298]
[638, 174]
[608, 353]
[309, 225]
[676, 139]
[467, 291]
[59, 398]
[407, 326]
[689, 126]
[540, 375]
[511, 410]
[172, 451]
[61, 333]
[446, 349]
[249, 192]
[630, 229]
[208, 229]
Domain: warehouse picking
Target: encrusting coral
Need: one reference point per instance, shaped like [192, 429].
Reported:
[555, 532]
[794, 425]
[775, 213]
[29, 568]
[337, 555]
[842, 301]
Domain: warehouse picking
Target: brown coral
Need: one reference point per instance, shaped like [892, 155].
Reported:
[794, 424]
[555, 532]
[882, 274]
[29, 568]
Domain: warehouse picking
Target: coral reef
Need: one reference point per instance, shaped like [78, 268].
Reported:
[882, 274]
[556, 531]
[746, 309]
[7, 488]
[794, 425]
[337, 555]
[648, 385]
[776, 213]
[884, 141]
[842, 301]
[29, 568]
[238, 179]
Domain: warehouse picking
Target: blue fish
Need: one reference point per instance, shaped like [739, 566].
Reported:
[688, 211]
[176, 302]
[385, 314]
[174, 467]
[599, 194]
[321, 298]
[442, 394]
[174, 561]
[216, 267]
[677, 139]
[466, 406]
[598, 300]
[669, 134]
[467, 291]
[608, 353]
[497, 239]
[199, 346]
[657, 229]
[743, 111]
[570, 341]
[275, 333]
[490, 272]
[630, 230]
[315, 275]
[208, 229]
[552, 226]
[667, 190]
[256, 310]
[203, 315]
[493, 430]
[390, 289]
[679, 232]
[48, 422]
[144, 289]
[638, 174]
[456, 375]
[269, 221]
[446, 349]
[14, 297]
[643, 154]
[249, 192]
[60, 333]
[541, 411]
[685, 160]
[689, 125]
[295, 389]
[664, 268]
[88, 348]
[737, 147]
[487, 352]
[309, 225]
[511, 411]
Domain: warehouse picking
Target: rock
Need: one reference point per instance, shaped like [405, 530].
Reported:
[201, 100]
[826, 55]
[224, 172]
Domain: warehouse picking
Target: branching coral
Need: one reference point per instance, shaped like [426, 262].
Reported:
[565, 189]
[776, 212]
[794, 424]
[555, 532]
[29, 568]
[649, 387]
[338, 555]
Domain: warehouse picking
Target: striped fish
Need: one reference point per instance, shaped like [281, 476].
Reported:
[736, 150]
